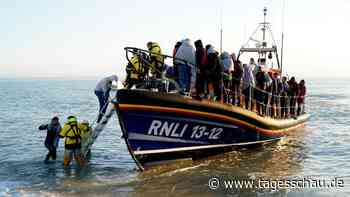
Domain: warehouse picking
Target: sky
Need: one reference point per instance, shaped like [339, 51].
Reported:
[85, 38]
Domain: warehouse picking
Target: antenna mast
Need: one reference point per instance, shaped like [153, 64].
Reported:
[282, 42]
[221, 30]
[264, 24]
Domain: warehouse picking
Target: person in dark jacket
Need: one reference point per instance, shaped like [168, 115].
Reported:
[301, 97]
[284, 98]
[214, 73]
[276, 87]
[237, 74]
[260, 93]
[293, 92]
[52, 139]
[201, 60]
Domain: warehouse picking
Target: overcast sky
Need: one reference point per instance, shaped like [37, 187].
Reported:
[77, 38]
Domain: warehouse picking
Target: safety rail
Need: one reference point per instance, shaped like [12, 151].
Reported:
[260, 101]
[139, 52]
[263, 102]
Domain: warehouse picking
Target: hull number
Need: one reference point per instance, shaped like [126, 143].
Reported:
[178, 130]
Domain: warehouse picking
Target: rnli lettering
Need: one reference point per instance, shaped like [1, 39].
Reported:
[178, 130]
[169, 129]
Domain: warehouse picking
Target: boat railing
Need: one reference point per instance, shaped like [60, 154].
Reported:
[139, 52]
[165, 83]
[247, 95]
[265, 103]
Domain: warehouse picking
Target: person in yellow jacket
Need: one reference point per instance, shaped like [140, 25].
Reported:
[135, 72]
[72, 132]
[86, 132]
[157, 60]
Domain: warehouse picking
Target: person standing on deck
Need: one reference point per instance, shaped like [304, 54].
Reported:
[135, 72]
[176, 47]
[276, 87]
[72, 132]
[214, 71]
[253, 66]
[227, 65]
[237, 74]
[156, 60]
[293, 92]
[260, 93]
[186, 65]
[201, 60]
[52, 139]
[267, 96]
[301, 97]
[248, 86]
[284, 97]
[102, 92]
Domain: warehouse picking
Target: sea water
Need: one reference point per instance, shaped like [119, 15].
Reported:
[320, 150]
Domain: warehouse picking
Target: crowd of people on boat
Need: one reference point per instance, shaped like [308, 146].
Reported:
[204, 73]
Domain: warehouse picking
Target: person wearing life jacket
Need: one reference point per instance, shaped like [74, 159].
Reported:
[52, 139]
[135, 72]
[102, 92]
[86, 132]
[72, 132]
[156, 59]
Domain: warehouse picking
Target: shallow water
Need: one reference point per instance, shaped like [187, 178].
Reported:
[321, 149]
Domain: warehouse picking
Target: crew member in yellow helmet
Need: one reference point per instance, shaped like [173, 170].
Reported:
[157, 60]
[71, 131]
[135, 71]
[86, 132]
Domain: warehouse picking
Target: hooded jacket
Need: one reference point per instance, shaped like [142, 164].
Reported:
[248, 77]
[103, 85]
[226, 61]
[186, 52]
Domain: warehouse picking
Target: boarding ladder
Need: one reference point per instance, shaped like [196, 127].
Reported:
[97, 128]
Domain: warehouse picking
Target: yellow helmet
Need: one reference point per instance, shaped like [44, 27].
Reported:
[72, 119]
